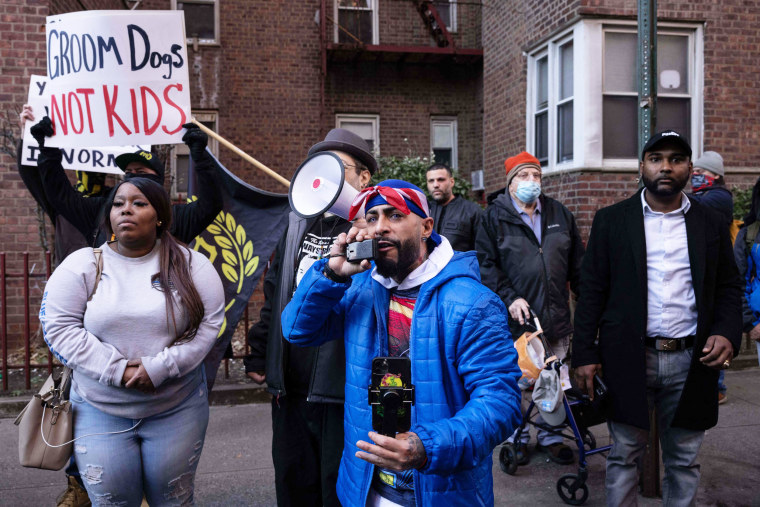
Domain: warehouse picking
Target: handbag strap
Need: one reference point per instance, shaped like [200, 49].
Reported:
[42, 432]
[98, 270]
[65, 379]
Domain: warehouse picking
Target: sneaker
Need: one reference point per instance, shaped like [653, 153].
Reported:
[722, 398]
[74, 496]
[558, 453]
[521, 450]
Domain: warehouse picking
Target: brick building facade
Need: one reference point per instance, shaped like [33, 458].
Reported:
[267, 77]
[559, 81]
[554, 77]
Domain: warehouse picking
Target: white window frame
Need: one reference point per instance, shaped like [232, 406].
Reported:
[182, 149]
[449, 121]
[452, 14]
[375, 20]
[551, 51]
[588, 74]
[371, 119]
[203, 42]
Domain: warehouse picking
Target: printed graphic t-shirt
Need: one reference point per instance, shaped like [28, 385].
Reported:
[398, 486]
[315, 245]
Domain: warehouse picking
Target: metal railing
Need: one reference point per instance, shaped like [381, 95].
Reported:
[27, 276]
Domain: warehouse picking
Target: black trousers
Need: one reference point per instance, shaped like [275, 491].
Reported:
[307, 443]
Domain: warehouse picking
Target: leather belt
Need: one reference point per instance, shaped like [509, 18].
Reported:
[669, 344]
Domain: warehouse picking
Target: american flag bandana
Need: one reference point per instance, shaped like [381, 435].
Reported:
[403, 196]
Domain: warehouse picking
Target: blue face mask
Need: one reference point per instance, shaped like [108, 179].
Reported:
[528, 191]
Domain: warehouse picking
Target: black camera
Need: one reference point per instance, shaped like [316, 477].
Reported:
[391, 395]
[361, 250]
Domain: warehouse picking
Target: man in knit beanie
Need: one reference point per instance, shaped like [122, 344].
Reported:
[709, 188]
[529, 248]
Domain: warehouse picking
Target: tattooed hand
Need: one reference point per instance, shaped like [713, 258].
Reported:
[401, 453]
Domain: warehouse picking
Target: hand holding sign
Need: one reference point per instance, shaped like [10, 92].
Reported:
[42, 130]
[196, 140]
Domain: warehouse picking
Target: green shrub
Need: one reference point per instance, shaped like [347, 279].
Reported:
[742, 202]
[413, 170]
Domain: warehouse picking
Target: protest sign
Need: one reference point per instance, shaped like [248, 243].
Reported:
[117, 78]
[94, 159]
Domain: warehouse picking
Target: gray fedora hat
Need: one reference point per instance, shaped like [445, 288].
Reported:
[347, 141]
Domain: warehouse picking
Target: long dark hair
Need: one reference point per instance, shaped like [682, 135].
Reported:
[174, 263]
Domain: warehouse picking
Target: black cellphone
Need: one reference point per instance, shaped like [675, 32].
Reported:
[361, 250]
[391, 395]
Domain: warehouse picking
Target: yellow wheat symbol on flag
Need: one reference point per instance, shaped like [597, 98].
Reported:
[238, 261]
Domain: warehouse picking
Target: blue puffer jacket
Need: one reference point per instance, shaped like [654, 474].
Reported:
[464, 368]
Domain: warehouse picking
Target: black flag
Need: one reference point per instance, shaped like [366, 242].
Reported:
[238, 243]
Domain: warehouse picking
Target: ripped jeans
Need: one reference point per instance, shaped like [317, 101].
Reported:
[157, 459]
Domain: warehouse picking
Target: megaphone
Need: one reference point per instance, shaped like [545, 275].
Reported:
[318, 185]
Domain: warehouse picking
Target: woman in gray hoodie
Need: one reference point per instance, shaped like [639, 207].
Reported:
[136, 343]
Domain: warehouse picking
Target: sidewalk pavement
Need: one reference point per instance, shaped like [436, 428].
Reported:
[236, 465]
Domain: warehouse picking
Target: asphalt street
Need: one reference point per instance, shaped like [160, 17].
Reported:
[236, 465]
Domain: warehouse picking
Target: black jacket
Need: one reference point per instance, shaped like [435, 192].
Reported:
[720, 199]
[613, 305]
[459, 222]
[268, 347]
[514, 265]
[86, 213]
[67, 238]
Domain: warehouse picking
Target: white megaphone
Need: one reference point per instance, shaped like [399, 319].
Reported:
[318, 185]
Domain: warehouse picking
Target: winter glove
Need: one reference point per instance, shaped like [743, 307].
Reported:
[41, 130]
[196, 140]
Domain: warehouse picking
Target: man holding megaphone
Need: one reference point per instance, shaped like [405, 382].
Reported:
[419, 326]
[307, 384]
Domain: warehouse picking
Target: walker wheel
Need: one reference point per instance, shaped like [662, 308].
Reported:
[589, 440]
[508, 459]
[572, 490]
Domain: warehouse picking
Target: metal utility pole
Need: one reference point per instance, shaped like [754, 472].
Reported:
[646, 67]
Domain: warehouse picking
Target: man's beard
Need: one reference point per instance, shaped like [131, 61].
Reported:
[651, 185]
[408, 253]
[442, 199]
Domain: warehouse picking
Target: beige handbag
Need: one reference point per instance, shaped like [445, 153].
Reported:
[46, 425]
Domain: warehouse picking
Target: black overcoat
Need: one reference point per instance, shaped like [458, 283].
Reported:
[613, 303]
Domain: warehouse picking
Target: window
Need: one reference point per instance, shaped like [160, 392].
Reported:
[356, 21]
[201, 19]
[551, 100]
[181, 159]
[620, 103]
[366, 126]
[582, 96]
[447, 10]
[443, 140]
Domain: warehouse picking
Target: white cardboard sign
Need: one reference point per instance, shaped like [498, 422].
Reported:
[100, 159]
[117, 78]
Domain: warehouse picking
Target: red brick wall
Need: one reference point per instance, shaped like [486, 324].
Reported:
[405, 98]
[401, 24]
[731, 97]
[22, 52]
[263, 79]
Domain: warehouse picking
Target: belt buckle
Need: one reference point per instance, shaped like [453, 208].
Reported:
[667, 345]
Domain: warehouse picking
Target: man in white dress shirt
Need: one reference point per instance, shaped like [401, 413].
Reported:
[660, 289]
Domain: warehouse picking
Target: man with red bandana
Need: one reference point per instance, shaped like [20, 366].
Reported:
[418, 299]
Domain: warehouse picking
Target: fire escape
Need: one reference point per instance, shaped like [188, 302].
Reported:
[353, 49]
